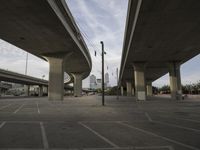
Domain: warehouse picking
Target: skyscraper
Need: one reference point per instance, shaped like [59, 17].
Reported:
[106, 78]
[93, 82]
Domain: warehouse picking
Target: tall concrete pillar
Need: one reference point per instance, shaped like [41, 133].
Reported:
[129, 88]
[133, 91]
[56, 78]
[175, 81]
[40, 90]
[122, 91]
[149, 89]
[27, 90]
[77, 84]
[139, 75]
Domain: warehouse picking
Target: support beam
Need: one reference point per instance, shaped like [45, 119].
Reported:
[149, 89]
[175, 81]
[139, 75]
[133, 91]
[77, 84]
[56, 79]
[122, 91]
[129, 88]
[40, 90]
[27, 90]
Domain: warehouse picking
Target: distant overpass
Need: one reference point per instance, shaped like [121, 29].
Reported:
[14, 77]
[160, 35]
[47, 29]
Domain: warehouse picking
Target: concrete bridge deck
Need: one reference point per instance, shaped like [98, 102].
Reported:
[46, 28]
[159, 37]
[83, 124]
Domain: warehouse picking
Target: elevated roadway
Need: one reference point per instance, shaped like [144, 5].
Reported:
[14, 77]
[47, 29]
[160, 35]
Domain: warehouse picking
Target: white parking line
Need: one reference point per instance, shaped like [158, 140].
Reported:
[177, 126]
[156, 135]
[148, 116]
[2, 124]
[155, 147]
[191, 120]
[44, 137]
[18, 109]
[185, 119]
[111, 148]
[38, 108]
[103, 121]
[99, 135]
[5, 106]
[21, 149]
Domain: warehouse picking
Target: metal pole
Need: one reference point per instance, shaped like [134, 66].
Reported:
[102, 72]
[117, 84]
[26, 63]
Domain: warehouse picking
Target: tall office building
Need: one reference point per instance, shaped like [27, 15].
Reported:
[93, 83]
[106, 80]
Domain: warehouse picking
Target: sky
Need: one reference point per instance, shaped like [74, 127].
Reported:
[98, 20]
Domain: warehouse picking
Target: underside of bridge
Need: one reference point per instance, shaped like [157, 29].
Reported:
[160, 35]
[47, 29]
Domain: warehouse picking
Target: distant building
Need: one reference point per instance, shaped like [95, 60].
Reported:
[93, 82]
[4, 86]
[106, 80]
[99, 83]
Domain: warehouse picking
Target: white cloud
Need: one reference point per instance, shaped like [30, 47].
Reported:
[102, 21]
[14, 59]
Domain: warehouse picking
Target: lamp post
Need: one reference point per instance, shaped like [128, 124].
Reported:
[117, 84]
[102, 73]
[26, 63]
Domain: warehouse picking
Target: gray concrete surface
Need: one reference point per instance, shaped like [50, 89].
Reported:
[82, 123]
[159, 37]
[50, 24]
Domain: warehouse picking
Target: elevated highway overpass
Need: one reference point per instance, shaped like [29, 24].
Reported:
[10, 76]
[14, 77]
[47, 29]
[160, 35]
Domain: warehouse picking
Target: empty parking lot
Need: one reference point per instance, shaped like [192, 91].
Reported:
[82, 123]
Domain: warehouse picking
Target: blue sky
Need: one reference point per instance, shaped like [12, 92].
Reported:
[98, 20]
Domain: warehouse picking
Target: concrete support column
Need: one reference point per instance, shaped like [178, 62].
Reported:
[129, 88]
[27, 90]
[56, 78]
[140, 87]
[40, 90]
[175, 81]
[77, 85]
[133, 91]
[122, 91]
[149, 89]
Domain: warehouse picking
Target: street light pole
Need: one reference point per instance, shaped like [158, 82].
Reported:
[102, 73]
[26, 63]
[117, 84]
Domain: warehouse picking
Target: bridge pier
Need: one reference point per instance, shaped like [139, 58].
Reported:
[133, 91]
[40, 90]
[140, 87]
[27, 90]
[129, 88]
[149, 89]
[56, 78]
[122, 91]
[175, 81]
[77, 84]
